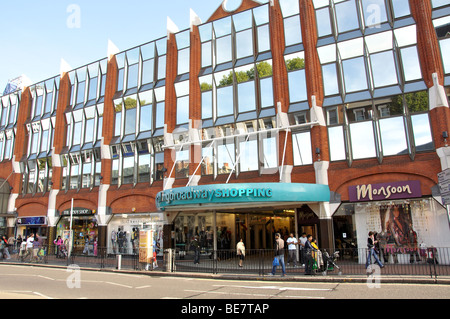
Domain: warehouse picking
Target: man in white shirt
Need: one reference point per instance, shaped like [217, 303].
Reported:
[29, 247]
[292, 249]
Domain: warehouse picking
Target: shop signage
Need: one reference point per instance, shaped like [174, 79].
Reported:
[384, 191]
[40, 220]
[77, 212]
[444, 186]
[240, 193]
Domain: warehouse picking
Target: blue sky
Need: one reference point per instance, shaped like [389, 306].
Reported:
[37, 34]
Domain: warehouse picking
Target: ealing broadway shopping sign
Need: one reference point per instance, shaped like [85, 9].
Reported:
[242, 193]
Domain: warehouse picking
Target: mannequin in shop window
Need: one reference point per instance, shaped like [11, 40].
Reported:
[114, 241]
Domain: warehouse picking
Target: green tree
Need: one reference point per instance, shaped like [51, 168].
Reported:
[295, 64]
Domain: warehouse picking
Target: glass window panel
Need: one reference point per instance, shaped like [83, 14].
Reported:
[242, 20]
[266, 92]
[160, 114]
[411, 63]
[208, 160]
[351, 48]
[362, 140]
[246, 96]
[89, 134]
[182, 88]
[9, 149]
[128, 170]
[100, 128]
[292, 30]
[247, 160]
[355, 74]
[118, 123]
[261, 15]
[323, 22]
[205, 32]
[92, 89]
[183, 39]
[115, 172]
[337, 143]
[379, 42]
[406, 35]
[12, 114]
[289, 7]
[80, 92]
[222, 27]
[74, 173]
[374, 12]
[422, 132]
[120, 79]
[37, 112]
[263, 38]
[401, 8]
[244, 44]
[35, 143]
[225, 101]
[270, 152]
[330, 79]
[207, 105]
[183, 61]
[225, 157]
[206, 54]
[161, 67]
[302, 148]
[159, 164]
[439, 3]
[182, 164]
[148, 71]
[393, 136]
[297, 86]
[77, 132]
[146, 118]
[383, 69]
[148, 51]
[183, 110]
[223, 49]
[48, 103]
[445, 48]
[133, 71]
[347, 16]
[86, 179]
[130, 120]
[144, 168]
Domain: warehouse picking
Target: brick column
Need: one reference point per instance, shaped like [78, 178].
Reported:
[319, 133]
[195, 103]
[280, 89]
[170, 115]
[433, 75]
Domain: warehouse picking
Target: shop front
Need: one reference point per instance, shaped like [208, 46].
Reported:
[124, 231]
[84, 228]
[32, 225]
[222, 214]
[406, 222]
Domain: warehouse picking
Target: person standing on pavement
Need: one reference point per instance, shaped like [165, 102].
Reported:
[29, 247]
[302, 243]
[292, 249]
[308, 255]
[279, 254]
[36, 246]
[5, 249]
[195, 246]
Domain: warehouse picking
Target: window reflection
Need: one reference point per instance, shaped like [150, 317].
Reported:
[302, 148]
[347, 16]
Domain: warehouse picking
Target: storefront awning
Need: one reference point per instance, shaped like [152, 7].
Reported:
[221, 195]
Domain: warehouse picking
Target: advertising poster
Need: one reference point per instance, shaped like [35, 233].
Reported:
[145, 246]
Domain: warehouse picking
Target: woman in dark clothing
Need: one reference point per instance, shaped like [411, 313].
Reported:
[371, 242]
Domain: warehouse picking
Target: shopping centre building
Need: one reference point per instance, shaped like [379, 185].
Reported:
[329, 117]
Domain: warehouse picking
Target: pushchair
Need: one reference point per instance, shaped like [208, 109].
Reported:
[62, 253]
[324, 262]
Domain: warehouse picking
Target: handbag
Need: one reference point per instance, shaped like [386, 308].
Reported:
[275, 262]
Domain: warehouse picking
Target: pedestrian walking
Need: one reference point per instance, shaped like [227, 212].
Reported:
[29, 247]
[58, 242]
[309, 249]
[37, 245]
[292, 249]
[371, 242]
[5, 250]
[240, 251]
[279, 255]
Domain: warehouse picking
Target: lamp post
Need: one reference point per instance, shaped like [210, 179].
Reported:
[70, 230]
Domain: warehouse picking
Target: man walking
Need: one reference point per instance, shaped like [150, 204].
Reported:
[279, 254]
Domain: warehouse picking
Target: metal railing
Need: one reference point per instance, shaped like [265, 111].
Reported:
[431, 262]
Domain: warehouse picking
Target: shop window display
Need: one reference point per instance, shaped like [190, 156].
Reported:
[85, 234]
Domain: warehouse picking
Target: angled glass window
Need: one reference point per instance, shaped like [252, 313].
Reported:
[383, 69]
[401, 8]
[130, 114]
[355, 77]
[323, 22]
[146, 111]
[301, 143]
[374, 12]
[346, 16]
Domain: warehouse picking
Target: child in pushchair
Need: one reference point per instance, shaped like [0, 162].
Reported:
[62, 252]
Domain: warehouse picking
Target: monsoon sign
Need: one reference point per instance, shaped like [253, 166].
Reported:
[241, 193]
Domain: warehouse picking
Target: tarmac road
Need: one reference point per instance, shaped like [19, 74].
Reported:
[33, 282]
